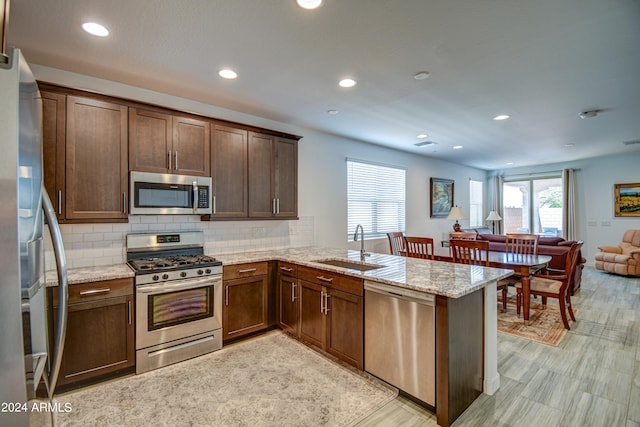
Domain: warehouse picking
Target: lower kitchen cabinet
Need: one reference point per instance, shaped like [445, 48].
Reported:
[100, 331]
[246, 295]
[330, 318]
[288, 297]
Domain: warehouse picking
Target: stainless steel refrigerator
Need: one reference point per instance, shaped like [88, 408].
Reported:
[26, 357]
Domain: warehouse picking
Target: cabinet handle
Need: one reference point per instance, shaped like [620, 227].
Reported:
[95, 291]
[169, 159]
[59, 202]
[321, 301]
[278, 206]
[124, 200]
[214, 204]
[288, 270]
[273, 206]
[326, 303]
[325, 279]
[293, 292]
[247, 270]
[176, 162]
[226, 296]
[129, 311]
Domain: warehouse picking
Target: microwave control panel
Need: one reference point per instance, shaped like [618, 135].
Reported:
[203, 197]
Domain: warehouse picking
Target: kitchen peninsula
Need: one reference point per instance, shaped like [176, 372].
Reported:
[465, 326]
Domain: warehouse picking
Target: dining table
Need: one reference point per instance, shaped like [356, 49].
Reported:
[523, 266]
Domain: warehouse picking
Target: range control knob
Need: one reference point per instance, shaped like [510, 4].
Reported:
[208, 271]
[183, 274]
[155, 277]
[200, 272]
[165, 276]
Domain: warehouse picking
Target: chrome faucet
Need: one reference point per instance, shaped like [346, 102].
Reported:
[355, 239]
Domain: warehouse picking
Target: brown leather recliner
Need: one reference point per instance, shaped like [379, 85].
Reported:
[623, 259]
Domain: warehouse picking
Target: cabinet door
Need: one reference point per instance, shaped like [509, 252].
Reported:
[99, 339]
[96, 159]
[312, 324]
[229, 173]
[261, 200]
[288, 307]
[191, 146]
[286, 177]
[54, 107]
[345, 323]
[245, 306]
[150, 135]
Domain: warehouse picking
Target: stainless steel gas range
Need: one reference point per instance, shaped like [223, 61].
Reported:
[178, 298]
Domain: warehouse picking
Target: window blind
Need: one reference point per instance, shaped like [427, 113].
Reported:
[375, 198]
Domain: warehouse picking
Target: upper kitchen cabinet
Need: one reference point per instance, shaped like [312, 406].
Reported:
[229, 172]
[54, 108]
[95, 160]
[166, 143]
[273, 176]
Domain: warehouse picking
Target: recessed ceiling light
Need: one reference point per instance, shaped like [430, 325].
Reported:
[227, 73]
[348, 82]
[309, 4]
[570, 145]
[457, 147]
[501, 117]
[421, 75]
[332, 112]
[421, 136]
[95, 29]
[509, 163]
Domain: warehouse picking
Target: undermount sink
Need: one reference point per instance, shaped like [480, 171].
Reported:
[346, 263]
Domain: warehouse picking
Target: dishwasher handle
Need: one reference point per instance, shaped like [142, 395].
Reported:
[401, 293]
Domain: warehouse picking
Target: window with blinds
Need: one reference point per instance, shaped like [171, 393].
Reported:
[375, 198]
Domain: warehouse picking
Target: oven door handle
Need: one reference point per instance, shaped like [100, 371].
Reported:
[184, 284]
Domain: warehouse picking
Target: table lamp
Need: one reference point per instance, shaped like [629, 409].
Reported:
[456, 213]
[493, 217]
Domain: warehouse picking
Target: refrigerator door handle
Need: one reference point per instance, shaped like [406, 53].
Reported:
[63, 291]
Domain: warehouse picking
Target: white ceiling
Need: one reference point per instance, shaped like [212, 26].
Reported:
[541, 61]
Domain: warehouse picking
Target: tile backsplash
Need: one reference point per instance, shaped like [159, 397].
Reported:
[88, 245]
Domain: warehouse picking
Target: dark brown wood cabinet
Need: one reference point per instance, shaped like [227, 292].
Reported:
[288, 298]
[332, 313]
[85, 157]
[95, 159]
[229, 172]
[273, 176]
[54, 119]
[246, 297]
[100, 331]
[165, 143]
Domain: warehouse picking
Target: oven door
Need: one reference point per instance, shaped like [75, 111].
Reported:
[170, 311]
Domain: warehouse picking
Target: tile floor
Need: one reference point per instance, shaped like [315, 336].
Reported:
[591, 379]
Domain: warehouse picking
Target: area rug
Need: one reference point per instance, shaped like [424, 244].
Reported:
[544, 326]
[271, 380]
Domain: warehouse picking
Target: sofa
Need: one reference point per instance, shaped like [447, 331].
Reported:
[556, 247]
[623, 259]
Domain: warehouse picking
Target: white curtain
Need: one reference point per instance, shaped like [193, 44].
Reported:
[569, 227]
[495, 198]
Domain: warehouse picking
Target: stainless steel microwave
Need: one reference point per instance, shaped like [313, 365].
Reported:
[168, 194]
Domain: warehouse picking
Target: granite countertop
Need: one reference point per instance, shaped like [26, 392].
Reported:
[434, 277]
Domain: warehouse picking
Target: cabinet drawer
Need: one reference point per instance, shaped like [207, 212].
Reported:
[287, 269]
[93, 291]
[332, 280]
[244, 270]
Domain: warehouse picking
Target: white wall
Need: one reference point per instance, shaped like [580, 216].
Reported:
[321, 191]
[596, 177]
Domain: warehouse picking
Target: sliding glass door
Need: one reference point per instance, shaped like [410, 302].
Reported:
[533, 206]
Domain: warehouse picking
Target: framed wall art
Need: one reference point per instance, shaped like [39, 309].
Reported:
[441, 192]
[627, 199]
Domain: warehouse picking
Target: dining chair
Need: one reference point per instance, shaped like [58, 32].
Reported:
[555, 284]
[516, 243]
[470, 251]
[419, 247]
[396, 243]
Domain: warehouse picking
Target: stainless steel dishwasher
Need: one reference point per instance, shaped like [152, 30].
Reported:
[399, 339]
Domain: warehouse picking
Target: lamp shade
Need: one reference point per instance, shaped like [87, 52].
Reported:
[456, 213]
[493, 216]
